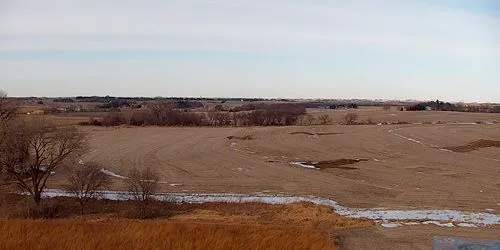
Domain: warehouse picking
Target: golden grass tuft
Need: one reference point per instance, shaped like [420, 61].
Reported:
[154, 234]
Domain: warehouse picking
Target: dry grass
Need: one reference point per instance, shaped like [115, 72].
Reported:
[159, 234]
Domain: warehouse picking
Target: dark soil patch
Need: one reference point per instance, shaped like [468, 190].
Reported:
[319, 134]
[338, 164]
[246, 137]
[301, 133]
[475, 145]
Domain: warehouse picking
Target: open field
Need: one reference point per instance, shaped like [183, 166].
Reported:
[394, 115]
[404, 167]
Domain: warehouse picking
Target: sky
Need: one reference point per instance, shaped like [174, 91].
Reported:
[391, 49]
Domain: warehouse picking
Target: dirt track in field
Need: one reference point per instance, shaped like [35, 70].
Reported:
[407, 166]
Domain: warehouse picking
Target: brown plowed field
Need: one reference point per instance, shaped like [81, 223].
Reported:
[405, 169]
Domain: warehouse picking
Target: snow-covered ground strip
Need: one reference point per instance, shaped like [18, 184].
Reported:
[436, 217]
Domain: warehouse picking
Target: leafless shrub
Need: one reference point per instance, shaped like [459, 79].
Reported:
[310, 119]
[142, 186]
[351, 118]
[324, 119]
[386, 107]
[220, 118]
[85, 181]
[369, 121]
[113, 119]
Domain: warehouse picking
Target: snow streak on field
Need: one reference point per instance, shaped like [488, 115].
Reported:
[436, 217]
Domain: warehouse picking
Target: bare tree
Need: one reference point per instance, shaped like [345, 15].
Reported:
[7, 108]
[324, 119]
[85, 182]
[142, 186]
[350, 118]
[386, 107]
[308, 119]
[34, 148]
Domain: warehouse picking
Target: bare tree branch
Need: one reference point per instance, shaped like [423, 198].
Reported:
[85, 181]
[34, 148]
[142, 185]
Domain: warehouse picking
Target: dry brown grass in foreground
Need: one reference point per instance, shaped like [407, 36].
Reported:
[159, 234]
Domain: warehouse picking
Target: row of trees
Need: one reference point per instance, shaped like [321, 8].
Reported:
[459, 107]
[164, 114]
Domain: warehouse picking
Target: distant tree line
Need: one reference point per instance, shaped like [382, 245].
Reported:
[458, 107]
[176, 114]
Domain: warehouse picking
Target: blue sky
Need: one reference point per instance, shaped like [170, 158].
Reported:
[413, 49]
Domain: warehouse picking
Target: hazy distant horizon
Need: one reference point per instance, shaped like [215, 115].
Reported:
[415, 49]
[260, 98]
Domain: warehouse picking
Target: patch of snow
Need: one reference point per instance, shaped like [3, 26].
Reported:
[108, 172]
[410, 223]
[437, 223]
[446, 150]
[303, 165]
[375, 159]
[390, 225]
[175, 184]
[466, 225]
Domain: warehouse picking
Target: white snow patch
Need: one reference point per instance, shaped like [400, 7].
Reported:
[108, 172]
[303, 165]
[466, 225]
[446, 150]
[175, 184]
[437, 223]
[390, 225]
[411, 223]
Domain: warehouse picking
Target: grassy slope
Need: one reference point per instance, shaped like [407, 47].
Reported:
[154, 234]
